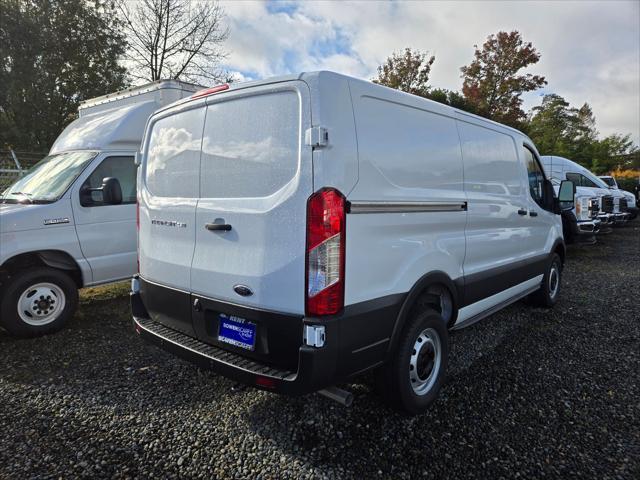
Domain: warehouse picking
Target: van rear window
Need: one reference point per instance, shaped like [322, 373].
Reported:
[173, 162]
[251, 145]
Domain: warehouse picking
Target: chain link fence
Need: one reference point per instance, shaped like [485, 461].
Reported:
[14, 165]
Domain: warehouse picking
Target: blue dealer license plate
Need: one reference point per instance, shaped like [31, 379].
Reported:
[237, 331]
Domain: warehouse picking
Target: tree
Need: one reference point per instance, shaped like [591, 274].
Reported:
[408, 72]
[559, 129]
[613, 152]
[53, 55]
[451, 98]
[492, 83]
[177, 39]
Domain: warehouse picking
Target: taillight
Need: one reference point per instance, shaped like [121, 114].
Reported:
[325, 252]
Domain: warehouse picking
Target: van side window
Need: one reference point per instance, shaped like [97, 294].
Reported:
[121, 168]
[173, 155]
[491, 164]
[536, 177]
[580, 180]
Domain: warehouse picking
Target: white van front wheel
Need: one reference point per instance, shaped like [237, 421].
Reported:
[38, 301]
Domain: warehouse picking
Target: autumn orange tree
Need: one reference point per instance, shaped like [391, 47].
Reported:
[407, 71]
[493, 82]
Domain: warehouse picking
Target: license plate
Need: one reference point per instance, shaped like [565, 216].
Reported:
[237, 331]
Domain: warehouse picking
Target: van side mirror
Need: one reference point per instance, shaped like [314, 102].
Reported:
[137, 159]
[111, 191]
[566, 194]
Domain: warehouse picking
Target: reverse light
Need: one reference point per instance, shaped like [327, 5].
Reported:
[325, 253]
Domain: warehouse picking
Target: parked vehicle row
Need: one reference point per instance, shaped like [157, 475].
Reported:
[598, 206]
[295, 232]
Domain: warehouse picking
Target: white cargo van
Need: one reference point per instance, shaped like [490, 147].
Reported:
[613, 204]
[70, 221]
[632, 207]
[297, 231]
[585, 220]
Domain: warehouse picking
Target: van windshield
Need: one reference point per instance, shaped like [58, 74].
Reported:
[48, 179]
[609, 181]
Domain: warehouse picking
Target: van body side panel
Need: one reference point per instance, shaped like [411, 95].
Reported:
[335, 165]
[408, 156]
[496, 232]
[545, 228]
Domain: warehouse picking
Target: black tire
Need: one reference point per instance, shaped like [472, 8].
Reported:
[24, 283]
[548, 295]
[394, 379]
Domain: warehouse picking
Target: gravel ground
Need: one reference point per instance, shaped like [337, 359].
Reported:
[531, 393]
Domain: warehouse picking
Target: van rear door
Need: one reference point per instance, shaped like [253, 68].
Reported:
[169, 190]
[255, 179]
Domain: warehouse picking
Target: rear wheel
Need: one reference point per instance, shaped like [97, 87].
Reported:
[38, 301]
[549, 291]
[412, 378]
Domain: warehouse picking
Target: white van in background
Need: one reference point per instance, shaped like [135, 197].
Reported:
[632, 206]
[612, 210]
[585, 220]
[297, 231]
[70, 221]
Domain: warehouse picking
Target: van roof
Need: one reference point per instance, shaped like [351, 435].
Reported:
[324, 75]
[118, 128]
[138, 90]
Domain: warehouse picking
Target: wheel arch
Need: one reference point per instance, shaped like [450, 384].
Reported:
[560, 248]
[57, 259]
[413, 298]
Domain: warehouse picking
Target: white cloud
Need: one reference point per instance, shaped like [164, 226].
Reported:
[590, 50]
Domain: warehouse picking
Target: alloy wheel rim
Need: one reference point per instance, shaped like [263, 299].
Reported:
[425, 361]
[41, 304]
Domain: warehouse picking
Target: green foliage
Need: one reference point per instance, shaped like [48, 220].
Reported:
[53, 55]
[492, 82]
[559, 129]
[408, 72]
[451, 98]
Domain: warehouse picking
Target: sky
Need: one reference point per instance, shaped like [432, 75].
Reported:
[590, 50]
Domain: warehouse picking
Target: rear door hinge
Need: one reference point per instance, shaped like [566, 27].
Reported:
[316, 137]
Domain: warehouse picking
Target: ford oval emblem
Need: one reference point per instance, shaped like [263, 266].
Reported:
[243, 290]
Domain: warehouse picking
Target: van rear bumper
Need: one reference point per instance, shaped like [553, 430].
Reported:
[315, 371]
[341, 356]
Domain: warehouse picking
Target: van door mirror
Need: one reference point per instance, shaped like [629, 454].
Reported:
[111, 191]
[566, 194]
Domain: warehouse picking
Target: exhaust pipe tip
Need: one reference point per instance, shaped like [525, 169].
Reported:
[343, 397]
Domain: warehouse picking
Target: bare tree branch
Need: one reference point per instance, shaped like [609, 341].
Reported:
[179, 39]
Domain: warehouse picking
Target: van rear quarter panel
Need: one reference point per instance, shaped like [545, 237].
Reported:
[408, 151]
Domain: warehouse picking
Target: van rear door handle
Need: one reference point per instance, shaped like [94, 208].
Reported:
[219, 227]
[533, 214]
[522, 212]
